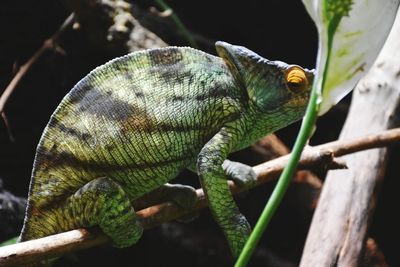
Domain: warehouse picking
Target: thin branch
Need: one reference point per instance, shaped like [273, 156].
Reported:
[8, 127]
[341, 148]
[47, 44]
[59, 244]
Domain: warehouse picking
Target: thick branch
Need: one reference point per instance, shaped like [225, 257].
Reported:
[60, 244]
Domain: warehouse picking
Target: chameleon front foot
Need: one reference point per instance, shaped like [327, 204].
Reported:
[241, 174]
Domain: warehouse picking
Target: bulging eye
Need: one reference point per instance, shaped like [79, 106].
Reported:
[296, 79]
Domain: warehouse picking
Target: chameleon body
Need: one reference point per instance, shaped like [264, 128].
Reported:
[134, 123]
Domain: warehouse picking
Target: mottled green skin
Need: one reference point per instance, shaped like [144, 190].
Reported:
[136, 122]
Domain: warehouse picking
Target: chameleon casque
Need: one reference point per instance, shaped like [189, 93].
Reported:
[134, 123]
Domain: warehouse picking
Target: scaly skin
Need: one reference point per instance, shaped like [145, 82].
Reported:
[134, 123]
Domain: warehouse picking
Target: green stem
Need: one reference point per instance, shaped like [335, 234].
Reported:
[185, 32]
[287, 174]
[283, 182]
[301, 140]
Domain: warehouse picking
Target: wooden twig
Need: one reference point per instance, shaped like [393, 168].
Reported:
[60, 244]
[8, 127]
[270, 147]
[47, 44]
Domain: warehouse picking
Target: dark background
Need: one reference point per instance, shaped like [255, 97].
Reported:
[275, 29]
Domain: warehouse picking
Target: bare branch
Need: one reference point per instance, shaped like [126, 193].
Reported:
[47, 44]
[57, 245]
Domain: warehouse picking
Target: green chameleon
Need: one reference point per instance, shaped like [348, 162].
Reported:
[134, 123]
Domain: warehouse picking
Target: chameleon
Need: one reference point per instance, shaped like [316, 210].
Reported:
[133, 124]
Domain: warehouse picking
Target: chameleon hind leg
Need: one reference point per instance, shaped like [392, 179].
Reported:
[104, 203]
[100, 202]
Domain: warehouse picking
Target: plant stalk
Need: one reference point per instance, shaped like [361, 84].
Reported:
[283, 182]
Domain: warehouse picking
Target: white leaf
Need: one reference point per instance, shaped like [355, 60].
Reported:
[362, 30]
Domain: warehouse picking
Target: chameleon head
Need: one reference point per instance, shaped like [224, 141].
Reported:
[273, 87]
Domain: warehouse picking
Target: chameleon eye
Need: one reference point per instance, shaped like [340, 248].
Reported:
[296, 79]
